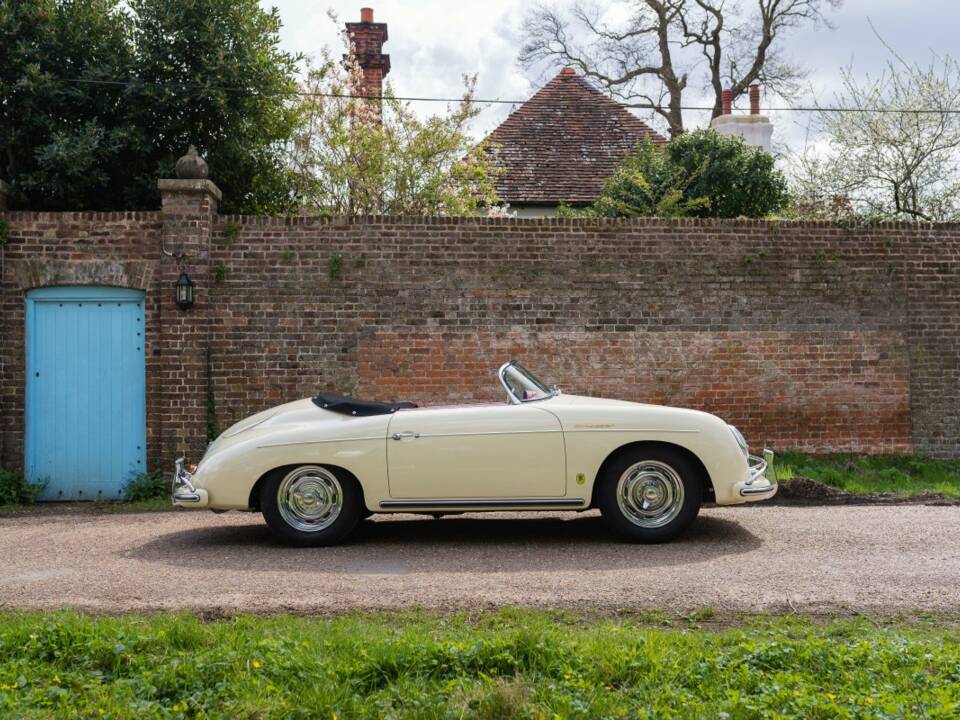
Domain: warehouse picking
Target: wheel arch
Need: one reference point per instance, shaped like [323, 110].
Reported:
[708, 490]
[343, 475]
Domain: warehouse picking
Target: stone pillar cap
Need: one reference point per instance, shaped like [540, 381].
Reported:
[739, 120]
[182, 185]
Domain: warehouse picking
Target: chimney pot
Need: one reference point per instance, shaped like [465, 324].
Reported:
[754, 99]
[568, 71]
[727, 100]
[366, 15]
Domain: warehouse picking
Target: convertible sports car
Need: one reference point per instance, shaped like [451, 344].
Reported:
[315, 467]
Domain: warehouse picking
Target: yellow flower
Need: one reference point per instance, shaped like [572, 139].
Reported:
[796, 693]
[869, 701]
[256, 664]
[831, 697]
[101, 711]
[56, 679]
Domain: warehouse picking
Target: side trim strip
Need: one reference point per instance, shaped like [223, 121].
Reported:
[425, 436]
[484, 502]
[630, 430]
[320, 442]
[492, 432]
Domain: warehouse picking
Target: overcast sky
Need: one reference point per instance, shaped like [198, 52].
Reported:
[434, 42]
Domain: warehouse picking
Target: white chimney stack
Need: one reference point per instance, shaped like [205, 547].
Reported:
[755, 129]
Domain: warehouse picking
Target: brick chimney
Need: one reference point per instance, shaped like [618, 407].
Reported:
[367, 38]
[754, 99]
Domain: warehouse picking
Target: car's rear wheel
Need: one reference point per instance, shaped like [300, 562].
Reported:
[650, 495]
[311, 505]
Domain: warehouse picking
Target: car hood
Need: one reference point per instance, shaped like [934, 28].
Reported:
[573, 409]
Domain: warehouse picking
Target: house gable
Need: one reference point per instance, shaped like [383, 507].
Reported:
[563, 143]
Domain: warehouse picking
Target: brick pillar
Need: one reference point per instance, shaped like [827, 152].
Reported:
[189, 210]
[4, 194]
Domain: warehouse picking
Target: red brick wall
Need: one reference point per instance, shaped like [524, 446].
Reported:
[805, 390]
[806, 334]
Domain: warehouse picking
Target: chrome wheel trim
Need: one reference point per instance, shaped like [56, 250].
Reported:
[650, 494]
[310, 498]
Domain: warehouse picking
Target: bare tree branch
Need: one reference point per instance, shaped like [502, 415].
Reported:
[652, 56]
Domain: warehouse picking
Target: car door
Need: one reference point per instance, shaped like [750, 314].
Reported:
[481, 451]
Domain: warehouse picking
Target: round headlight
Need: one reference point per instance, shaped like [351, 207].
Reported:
[740, 440]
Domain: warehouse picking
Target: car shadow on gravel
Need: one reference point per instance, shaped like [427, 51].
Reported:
[411, 544]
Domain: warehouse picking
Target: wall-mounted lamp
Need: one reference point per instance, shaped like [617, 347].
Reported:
[184, 294]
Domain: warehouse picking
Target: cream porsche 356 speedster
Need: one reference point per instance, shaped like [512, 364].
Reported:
[316, 466]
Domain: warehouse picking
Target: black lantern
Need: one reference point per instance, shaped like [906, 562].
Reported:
[184, 294]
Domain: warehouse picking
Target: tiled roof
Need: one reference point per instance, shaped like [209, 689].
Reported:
[563, 143]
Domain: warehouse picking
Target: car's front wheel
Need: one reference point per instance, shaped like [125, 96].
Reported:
[650, 495]
[310, 505]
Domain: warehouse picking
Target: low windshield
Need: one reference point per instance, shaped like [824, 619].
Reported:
[523, 385]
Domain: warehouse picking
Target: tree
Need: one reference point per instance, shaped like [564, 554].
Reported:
[98, 98]
[211, 73]
[64, 145]
[667, 47]
[699, 174]
[897, 156]
[355, 156]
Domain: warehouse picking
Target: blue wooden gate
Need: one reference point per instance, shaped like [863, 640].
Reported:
[85, 395]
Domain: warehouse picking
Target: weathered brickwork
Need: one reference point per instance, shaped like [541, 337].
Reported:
[807, 335]
[804, 390]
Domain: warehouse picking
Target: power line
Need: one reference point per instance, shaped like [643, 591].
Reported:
[488, 101]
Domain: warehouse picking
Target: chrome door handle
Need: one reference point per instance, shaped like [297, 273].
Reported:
[406, 435]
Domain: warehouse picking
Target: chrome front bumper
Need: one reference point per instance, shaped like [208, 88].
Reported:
[183, 491]
[758, 486]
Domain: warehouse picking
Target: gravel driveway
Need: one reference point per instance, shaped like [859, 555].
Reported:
[763, 558]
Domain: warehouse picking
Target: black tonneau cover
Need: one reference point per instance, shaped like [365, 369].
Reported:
[350, 406]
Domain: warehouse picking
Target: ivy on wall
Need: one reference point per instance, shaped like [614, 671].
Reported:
[212, 431]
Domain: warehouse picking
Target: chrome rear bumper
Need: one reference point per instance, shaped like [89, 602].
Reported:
[183, 491]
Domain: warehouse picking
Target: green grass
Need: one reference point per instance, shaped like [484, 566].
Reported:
[902, 474]
[510, 664]
[161, 504]
[143, 492]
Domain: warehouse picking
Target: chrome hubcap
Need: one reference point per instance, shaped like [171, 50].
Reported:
[650, 494]
[310, 498]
